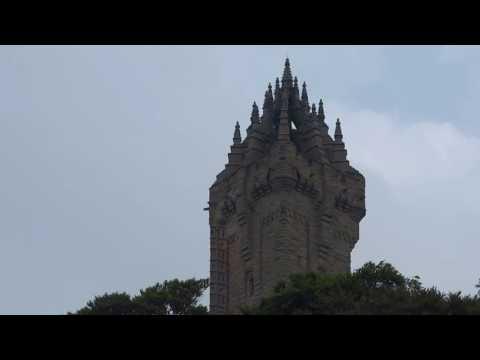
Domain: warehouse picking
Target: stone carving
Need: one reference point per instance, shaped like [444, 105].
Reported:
[230, 203]
[260, 189]
[283, 212]
[342, 200]
[306, 186]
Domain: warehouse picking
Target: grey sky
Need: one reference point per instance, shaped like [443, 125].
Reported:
[107, 154]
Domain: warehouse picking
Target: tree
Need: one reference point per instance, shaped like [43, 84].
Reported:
[174, 297]
[372, 289]
[108, 304]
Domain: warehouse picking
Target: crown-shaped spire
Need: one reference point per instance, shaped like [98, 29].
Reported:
[338, 132]
[287, 74]
[255, 117]
[321, 112]
[237, 137]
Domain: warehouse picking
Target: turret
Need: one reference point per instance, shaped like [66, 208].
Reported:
[254, 118]
[267, 117]
[339, 154]
[254, 140]
[338, 132]
[321, 111]
[296, 92]
[305, 104]
[277, 89]
[287, 80]
[321, 121]
[237, 137]
[268, 102]
[235, 157]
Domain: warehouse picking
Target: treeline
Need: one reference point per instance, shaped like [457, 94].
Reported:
[374, 289]
[174, 297]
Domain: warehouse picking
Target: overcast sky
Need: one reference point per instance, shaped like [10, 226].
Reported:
[107, 154]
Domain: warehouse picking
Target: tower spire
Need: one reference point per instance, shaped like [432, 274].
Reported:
[237, 137]
[268, 102]
[255, 117]
[296, 92]
[287, 74]
[338, 132]
[305, 97]
[321, 112]
[277, 90]
[268, 110]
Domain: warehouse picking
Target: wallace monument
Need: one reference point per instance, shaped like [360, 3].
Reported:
[288, 200]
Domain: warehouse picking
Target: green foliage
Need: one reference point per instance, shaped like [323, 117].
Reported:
[174, 297]
[108, 304]
[372, 289]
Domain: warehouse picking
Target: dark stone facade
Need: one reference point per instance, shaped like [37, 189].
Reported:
[287, 201]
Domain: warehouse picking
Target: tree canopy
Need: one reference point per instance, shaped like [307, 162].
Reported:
[374, 289]
[173, 297]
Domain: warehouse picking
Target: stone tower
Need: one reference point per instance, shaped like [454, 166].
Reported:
[287, 201]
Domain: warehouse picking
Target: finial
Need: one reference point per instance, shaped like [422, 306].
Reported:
[338, 131]
[237, 137]
[255, 118]
[321, 112]
[305, 96]
[304, 89]
[277, 90]
[296, 92]
[277, 86]
[268, 102]
[314, 110]
[287, 74]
